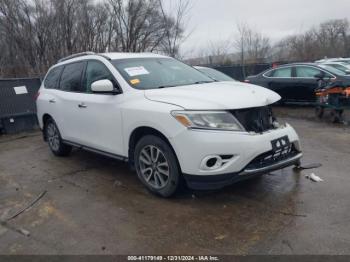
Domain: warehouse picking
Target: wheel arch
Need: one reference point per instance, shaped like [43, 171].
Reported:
[140, 132]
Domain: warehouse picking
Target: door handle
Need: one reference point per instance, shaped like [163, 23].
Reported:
[52, 101]
[82, 105]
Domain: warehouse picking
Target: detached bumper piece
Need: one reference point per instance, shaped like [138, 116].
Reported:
[263, 164]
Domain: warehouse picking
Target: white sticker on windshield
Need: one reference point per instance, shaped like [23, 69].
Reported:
[136, 71]
[20, 90]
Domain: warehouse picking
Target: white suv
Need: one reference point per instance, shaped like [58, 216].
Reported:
[165, 118]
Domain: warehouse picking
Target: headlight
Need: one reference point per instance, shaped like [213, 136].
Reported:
[212, 120]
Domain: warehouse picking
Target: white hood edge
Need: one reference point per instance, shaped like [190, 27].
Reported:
[215, 96]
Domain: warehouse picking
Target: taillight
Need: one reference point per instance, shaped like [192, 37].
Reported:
[36, 96]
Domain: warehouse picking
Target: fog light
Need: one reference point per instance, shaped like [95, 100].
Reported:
[212, 162]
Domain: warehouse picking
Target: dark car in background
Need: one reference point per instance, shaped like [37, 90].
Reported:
[296, 83]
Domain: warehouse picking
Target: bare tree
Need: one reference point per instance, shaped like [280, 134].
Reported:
[218, 52]
[138, 25]
[330, 39]
[35, 34]
[174, 24]
[252, 46]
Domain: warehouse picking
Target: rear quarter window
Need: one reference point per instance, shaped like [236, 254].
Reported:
[52, 79]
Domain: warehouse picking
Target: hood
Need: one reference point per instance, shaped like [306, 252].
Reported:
[214, 96]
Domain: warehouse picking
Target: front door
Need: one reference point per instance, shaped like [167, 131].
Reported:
[306, 83]
[280, 81]
[100, 121]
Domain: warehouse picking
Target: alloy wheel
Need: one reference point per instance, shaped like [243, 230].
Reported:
[53, 137]
[154, 167]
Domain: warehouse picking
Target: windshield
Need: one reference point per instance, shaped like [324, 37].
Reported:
[153, 73]
[333, 70]
[215, 74]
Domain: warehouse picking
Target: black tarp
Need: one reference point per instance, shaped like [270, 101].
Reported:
[17, 104]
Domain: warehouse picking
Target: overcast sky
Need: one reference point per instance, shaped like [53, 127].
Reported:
[215, 20]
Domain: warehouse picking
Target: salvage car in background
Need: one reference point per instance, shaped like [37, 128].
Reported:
[214, 74]
[166, 118]
[344, 67]
[296, 83]
[337, 60]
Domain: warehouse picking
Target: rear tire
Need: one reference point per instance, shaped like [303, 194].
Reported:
[54, 139]
[156, 166]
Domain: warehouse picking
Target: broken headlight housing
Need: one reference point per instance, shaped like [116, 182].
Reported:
[208, 120]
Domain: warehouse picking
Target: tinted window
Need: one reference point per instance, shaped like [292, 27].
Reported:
[71, 77]
[282, 72]
[96, 71]
[51, 80]
[307, 72]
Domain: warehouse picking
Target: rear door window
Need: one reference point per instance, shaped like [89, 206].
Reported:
[52, 79]
[306, 72]
[71, 78]
[282, 73]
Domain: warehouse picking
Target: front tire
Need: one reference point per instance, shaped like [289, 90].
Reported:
[54, 139]
[156, 166]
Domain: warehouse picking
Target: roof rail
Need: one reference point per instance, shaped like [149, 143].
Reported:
[76, 55]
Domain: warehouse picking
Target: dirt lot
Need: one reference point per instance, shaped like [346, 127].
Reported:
[95, 205]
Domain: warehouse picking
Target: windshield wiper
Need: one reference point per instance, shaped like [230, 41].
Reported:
[165, 86]
[196, 83]
[203, 82]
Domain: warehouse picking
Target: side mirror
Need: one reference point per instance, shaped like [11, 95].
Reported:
[102, 86]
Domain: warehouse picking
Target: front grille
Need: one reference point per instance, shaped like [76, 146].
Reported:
[257, 119]
[271, 157]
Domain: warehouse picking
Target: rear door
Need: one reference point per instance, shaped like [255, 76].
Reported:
[67, 101]
[280, 80]
[306, 83]
[46, 103]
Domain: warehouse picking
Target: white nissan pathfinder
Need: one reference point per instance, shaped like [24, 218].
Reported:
[167, 119]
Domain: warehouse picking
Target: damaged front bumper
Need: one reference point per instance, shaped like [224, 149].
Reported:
[221, 181]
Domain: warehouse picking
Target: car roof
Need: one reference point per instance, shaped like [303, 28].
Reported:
[295, 64]
[115, 56]
[335, 63]
[300, 64]
[110, 56]
[331, 60]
